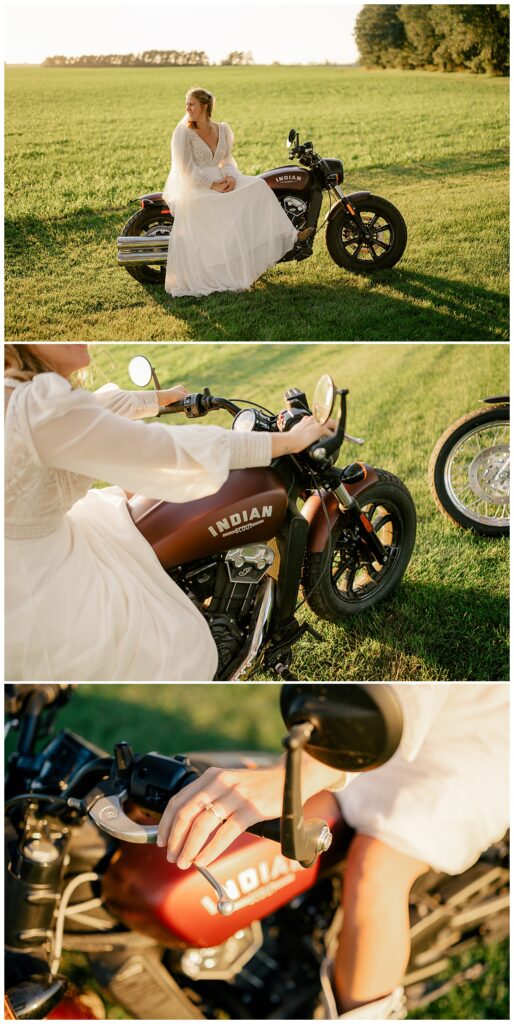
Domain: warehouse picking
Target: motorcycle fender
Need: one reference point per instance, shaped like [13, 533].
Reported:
[313, 511]
[154, 199]
[336, 209]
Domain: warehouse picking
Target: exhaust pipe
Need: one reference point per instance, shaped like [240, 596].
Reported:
[259, 632]
[143, 250]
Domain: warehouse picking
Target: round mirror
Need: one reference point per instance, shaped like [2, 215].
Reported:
[323, 399]
[140, 371]
[356, 726]
[291, 138]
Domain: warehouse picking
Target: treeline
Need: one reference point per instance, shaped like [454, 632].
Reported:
[147, 59]
[440, 37]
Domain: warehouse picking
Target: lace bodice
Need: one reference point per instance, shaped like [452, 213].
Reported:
[194, 165]
[58, 440]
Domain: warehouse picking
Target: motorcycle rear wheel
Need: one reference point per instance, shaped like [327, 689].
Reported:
[148, 221]
[389, 237]
[353, 583]
[464, 468]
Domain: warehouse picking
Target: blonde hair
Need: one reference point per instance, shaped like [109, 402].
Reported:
[206, 98]
[22, 364]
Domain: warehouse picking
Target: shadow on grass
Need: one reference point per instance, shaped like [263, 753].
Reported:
[424, 306]
[451, 633]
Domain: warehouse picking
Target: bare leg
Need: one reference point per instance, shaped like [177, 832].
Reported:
[374, 945]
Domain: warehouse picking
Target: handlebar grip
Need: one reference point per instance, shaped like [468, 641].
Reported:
[172, 407]
[267, 829]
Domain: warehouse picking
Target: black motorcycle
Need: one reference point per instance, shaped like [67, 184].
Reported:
[364, 232]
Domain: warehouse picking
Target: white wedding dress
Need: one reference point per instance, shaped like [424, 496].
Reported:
[443, 797]
[86, 597]
[220, 241]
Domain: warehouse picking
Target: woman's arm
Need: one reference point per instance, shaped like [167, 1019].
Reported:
[71, 430]
[242, 797]
[136, 405]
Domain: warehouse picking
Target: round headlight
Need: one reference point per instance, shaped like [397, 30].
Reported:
[245, 420]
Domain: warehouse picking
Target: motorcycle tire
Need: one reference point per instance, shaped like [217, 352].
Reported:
[444, 468]
[343, 242]
[330, 592]
[148, 221]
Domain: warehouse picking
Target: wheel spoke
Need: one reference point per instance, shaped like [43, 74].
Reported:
[388, 518]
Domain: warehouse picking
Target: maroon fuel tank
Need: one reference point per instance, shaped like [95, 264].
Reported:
[249, 507]
[178, 908]
[292, 178]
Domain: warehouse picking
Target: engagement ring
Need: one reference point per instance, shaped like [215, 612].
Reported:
[211, 807]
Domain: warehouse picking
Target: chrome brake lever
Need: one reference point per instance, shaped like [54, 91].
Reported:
[108, 815]
[355, 440]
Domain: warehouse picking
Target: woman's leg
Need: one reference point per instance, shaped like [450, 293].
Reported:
[374, 944]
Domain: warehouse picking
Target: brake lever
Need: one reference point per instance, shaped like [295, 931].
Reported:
[106, 811]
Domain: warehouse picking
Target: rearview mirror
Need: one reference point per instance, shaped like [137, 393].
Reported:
[323, 399]
[356, 727]
[291, 138]
[140, 371]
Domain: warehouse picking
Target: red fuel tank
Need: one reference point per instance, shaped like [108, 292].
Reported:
[292, 178]
[178, 908]
[250, 507]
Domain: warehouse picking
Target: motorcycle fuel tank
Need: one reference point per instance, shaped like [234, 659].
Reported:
[178, 908]
[249, 507]
[292, 178]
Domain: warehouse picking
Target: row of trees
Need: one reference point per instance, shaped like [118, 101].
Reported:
[148, 59]
[442, 37]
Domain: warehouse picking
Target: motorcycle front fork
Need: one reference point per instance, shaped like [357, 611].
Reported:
[365, 527]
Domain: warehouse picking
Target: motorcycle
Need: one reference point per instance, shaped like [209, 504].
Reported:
[469, 470]
[241, 941]
[364, 232]
[242, 554]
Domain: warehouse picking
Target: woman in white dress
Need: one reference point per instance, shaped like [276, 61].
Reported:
[438, 802]
[86, 597]
[228, 227]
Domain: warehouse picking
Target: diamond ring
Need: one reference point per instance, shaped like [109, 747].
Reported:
[211, 807]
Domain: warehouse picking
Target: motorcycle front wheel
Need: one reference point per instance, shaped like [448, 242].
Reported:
[153, 223]
[351, 582]
[388, 237]
[468, 473]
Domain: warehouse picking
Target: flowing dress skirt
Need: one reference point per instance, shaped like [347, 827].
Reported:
[224, 241]
[91, 601]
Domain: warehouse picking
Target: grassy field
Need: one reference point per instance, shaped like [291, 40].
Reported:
[173, 719]
[449, 618]
[81, 144]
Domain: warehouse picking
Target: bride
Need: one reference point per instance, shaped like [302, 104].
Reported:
[228, 227]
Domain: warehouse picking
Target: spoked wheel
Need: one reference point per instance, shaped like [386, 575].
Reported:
[355, 582]
[384, 246]
[469, 472]
[154, 224]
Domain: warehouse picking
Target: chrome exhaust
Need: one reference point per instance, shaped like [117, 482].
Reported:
[143, 250]
[259, 633]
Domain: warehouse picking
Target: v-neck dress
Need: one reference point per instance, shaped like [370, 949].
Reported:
[220, 241]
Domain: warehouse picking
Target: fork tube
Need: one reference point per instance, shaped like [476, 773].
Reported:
[344, 497]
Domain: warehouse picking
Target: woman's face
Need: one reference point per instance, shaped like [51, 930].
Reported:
[62, 358]
[194, 109]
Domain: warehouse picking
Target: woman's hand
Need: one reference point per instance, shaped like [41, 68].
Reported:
[170, 395]
[195, 834]
[240, 798]
[227, 184]
[301, 436]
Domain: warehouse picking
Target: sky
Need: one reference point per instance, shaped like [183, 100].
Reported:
[291, 31]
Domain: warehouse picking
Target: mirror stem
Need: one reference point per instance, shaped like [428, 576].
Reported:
[155, 380]
[300, 840]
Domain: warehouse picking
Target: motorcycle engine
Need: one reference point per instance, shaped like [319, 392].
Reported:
[296, 209]
[226, 589]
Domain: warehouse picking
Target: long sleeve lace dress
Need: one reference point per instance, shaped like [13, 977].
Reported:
[220, 241]
[86, 597]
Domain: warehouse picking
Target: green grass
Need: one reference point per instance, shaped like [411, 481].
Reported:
[81, 144]
[449, 618]
[177, 719]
